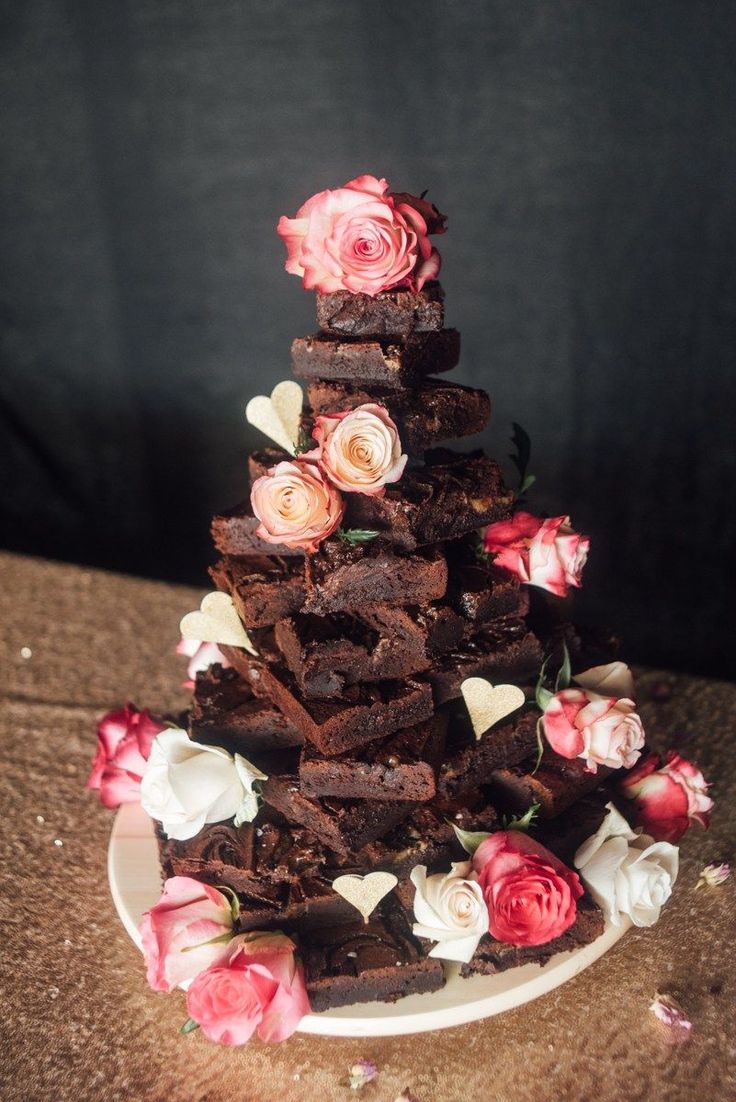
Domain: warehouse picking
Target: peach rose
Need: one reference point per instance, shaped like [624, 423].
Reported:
[360, 450]
[296, 505]
[360, 238]
[546, 553]
[530, 894]
[668, 798]
[258, 988]
[124, 741]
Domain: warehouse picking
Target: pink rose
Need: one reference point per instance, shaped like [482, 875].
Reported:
[187, 931]
[296, 505]
[530, 895]
[124, 740]
[201, 656]
[259, 988]
[361, 238]
[360, 450]
[546, 553]
[603, 730]
[669, 797]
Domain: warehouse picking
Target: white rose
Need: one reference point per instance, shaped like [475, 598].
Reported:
[187, 785]
[450, 910]
[627, 873]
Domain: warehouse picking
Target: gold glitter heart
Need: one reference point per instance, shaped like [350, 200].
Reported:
[279, 416]
[216, 621]
[365, 892]
[488, 704]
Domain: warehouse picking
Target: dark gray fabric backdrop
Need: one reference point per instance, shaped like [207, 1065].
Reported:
[586, 154]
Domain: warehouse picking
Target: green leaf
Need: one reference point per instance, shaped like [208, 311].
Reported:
[353, 536]
[520, 458]
[565, 671]
[480, 552]
[527, 483]
[542, 697]
[525, 821]
[189, 1026]
[540, 744]
[469, 839]
[305, 442]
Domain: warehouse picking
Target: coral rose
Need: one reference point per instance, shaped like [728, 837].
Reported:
[124, 740]
[258, 988]
[296, 505]
[360, 450]
[546, 553]
[603, 730]
[186, 932]
[530, 894]
[668, 798]
[360, 238]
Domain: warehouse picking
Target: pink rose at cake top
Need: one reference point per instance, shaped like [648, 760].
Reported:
[359, 451]
[365, 710]
[361, 238]
[296, 505]
[667, 797]
[124, 740]
[530, 894]
[188, 930]
[546, 553]
[257, 988]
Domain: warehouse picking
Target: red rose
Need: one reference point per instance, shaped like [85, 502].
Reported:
[668, 798]
[546, 553]
[531, 896]
[124, 740]
[361, 238]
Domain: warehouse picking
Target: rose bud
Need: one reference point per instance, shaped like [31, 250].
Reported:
[124, 740]
[360, 450]
[544, 553]
[258, 988]
[296, 505]
[668, 798]
[530, 894]
[186, 931]
[359, 238]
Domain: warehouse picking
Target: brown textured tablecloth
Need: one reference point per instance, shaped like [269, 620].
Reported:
[79, 1022]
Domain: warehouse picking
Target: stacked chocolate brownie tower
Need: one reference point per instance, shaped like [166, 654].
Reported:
[353, 706]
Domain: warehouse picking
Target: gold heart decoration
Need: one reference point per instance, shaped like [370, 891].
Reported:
[365, 892]
[488, 704]
[279, 416]
[216, 621]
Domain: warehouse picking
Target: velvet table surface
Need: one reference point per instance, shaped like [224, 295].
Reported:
[78, 1020]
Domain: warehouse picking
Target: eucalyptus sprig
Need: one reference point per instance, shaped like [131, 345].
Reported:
[354, 536]
[520, 458]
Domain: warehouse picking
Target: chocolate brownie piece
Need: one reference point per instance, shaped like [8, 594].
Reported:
[274, 867]
[341, 578]
[555, 786]
[481, 592]
[226, 713]
[472, 761]
[401, 768]
[393, 364]
[493, 956]
[326, 654]
[426, 838]
[364, 713]
[264, 588]
[367, 961]
[234, 533]
[503, 651]
[397, 313]
[451, 496]
[424, 416]
[343, 826]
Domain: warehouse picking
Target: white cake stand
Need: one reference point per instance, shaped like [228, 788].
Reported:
[135, 883]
